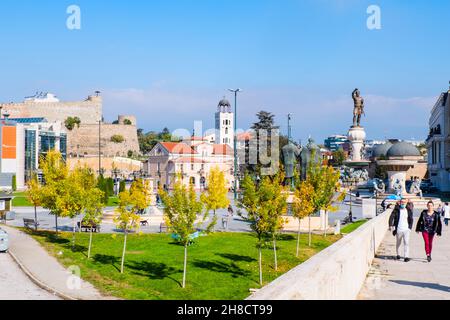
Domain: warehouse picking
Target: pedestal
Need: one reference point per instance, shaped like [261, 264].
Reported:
[357, 136]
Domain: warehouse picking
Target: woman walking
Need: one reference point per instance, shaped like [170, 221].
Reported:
[429, 224]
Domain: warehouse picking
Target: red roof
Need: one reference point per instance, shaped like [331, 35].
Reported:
[244, 136]
[222, 149]
[178, 148]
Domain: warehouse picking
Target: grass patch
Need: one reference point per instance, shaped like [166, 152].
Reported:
[20, 200]
[221, 266]
[352, 227]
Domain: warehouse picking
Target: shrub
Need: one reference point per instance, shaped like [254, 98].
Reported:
[71, 122]
[127, 122]
[117, 138]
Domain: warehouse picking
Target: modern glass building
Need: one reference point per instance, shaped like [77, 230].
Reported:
[336, 142]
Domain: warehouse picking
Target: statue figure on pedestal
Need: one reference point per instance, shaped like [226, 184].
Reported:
[398, 188]
[358, 110]
[379, 187]
[415, 187]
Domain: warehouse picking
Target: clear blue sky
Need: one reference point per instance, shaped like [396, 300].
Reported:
[170, 61]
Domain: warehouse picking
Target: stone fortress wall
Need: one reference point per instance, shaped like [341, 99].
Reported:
[82, 141]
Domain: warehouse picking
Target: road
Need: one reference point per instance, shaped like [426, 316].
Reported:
[15, 285]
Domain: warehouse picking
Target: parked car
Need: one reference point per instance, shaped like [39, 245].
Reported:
[428, 187]
[4, 241]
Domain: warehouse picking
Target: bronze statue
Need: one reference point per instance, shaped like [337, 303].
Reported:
[359, 108]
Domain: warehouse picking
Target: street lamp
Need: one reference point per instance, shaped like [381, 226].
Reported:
[235, 141]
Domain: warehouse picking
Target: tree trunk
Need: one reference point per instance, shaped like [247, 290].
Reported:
[90, 245]
[124, 250]
[56, 223]
[275, 252]
[298, 238]
[325, 224]
[260, 266]
[185, 265]
[309, 231]
[73, 235]
[35, 219]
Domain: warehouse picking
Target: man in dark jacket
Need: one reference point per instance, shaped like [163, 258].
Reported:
[402, 220]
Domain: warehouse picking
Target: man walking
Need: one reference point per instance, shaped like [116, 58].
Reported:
[402, 219]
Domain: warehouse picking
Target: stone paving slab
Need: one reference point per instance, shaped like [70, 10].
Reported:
[46, 271]
[391, 279]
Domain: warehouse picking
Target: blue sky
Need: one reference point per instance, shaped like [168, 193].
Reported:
[171, 61]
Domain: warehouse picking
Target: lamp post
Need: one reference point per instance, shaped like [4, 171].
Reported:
[235, 142]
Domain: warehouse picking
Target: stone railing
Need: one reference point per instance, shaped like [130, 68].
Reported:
[336, 273]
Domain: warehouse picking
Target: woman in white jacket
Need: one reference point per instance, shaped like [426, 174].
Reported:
[446, 211]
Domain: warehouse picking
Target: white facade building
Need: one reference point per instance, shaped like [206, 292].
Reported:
[438, 143]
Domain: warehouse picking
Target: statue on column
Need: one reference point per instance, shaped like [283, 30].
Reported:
[398, 188]
[415, 187]
[358, 110]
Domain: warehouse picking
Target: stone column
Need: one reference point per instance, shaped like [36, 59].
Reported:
[356, 136]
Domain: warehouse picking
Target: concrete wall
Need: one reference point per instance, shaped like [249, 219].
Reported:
[336, 273]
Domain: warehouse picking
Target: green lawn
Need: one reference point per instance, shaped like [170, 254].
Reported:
[21, 200]
[220, 266]
[352, 227]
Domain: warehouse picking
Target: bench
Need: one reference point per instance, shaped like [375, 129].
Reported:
[87, 228]
[30, 223]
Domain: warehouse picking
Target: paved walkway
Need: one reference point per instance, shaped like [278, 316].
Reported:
[390, 279]
[15, 285]
[45, 270]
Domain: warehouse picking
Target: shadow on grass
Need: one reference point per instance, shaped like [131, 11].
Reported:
[105, 259]
[153, 270]
[235, 257]
[50, 236]
[222, 267]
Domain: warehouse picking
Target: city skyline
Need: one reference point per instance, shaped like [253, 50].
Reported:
[171, 62]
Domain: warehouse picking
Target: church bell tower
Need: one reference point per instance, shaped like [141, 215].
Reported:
[225, 123]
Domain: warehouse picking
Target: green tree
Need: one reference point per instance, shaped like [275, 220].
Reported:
[127, 122]
[303, 207]
[264, 207]
[338, 157]
[71, 122]
[181, 211]
[34, 196]
[216, 196]
[131, 203]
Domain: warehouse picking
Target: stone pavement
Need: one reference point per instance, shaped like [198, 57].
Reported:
[15, 285]
[390, 279]
[46, 271]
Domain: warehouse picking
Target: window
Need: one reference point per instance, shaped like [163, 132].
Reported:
[192, 167]
[226, 130]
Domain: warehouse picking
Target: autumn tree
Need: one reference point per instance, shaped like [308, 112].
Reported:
[216, 196]
[181, 211]
[325, 181]
[131, 203]
[55, 173]
[34, 196]
[302, 207]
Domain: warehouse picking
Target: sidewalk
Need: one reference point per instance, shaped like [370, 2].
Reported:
[45, 270]
[390, 279]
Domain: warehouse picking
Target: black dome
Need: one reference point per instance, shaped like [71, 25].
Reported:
[403, 149]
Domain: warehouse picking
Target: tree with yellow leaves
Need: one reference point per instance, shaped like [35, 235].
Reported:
[34, 195]
[216, 195]
[303, 206]
[131, 203]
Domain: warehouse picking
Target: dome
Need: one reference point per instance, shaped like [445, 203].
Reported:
[403, 149]
[381, 150]
[224, 103]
